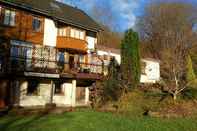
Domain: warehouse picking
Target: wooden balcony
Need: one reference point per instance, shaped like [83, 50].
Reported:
[71, 43]
[42, 61]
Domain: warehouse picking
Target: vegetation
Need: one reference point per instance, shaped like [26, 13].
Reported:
[190, 71]
[130, 59]
[94, 121]
[167, 30]
[112, 90]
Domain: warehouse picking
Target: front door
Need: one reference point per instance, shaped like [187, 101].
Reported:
[71, 61]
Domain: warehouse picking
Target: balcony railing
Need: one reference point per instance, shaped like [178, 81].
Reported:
[44, 60]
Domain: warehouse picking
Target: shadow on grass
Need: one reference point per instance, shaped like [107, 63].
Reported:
[23, 123]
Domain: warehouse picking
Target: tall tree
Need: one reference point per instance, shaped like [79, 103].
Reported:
[130, 59]
[168, 29]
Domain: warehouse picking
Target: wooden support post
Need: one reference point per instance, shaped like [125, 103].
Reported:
[52, 92]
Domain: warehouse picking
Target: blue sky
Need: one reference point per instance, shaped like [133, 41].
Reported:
[119, 14]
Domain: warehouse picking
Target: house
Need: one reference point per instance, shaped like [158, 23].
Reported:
[150, 68]
[47, 54]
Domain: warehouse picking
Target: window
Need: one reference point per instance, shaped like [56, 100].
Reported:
[9, 17]
[58, 88]
[36, 24]
[78, 34]
[82, 35]
[33, 87]
[72, 34]
[82, 59]
[62, 32]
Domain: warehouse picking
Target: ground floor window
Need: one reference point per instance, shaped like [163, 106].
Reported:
[33, 87]
[59, 90]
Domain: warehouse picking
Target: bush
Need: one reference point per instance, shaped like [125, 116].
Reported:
[190, 93]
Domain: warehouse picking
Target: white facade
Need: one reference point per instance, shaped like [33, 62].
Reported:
[152, 67]
[50, 33]
[151, 71]
[91, 42]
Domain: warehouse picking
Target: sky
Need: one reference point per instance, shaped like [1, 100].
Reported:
[119, 14]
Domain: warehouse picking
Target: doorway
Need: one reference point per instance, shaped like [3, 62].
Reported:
[4, 93]
[71, 61]
[80, 95]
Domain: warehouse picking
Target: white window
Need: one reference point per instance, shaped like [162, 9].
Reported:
[82, 35]
[62, 32]
[36, 24]
[9, 17]
[72, 33]
[78, 34]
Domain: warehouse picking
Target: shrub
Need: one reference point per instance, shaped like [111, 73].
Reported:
[190, 93]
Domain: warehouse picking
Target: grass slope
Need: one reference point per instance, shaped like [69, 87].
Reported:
[94, 121]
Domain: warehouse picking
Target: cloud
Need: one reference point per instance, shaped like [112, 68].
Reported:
[123, 12]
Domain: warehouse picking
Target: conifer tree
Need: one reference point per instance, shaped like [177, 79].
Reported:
[130, 59]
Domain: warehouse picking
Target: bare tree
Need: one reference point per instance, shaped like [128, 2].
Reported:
[167, 28]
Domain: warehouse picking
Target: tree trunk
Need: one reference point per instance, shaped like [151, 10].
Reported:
[175, 96]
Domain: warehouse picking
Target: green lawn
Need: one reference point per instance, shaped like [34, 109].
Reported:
[94, 121]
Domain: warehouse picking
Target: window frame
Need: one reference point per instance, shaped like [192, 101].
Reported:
[11, 21]
[34, 21]
[62, 32]
[77, 34]
[61, 89]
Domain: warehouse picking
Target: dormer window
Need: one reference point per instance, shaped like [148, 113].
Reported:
[9, 17]
[36, 24]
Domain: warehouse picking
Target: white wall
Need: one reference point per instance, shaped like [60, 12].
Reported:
[68, 97]
[44, 97]
[152, 72]
[91, 42]
[40, 100]
[50, 33]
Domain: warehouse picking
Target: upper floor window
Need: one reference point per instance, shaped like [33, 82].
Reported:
[36, 24]
[62, 32]
[78, 34]
[9, 17]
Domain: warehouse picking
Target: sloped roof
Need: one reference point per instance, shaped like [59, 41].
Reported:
[58, 11]
[107, 49]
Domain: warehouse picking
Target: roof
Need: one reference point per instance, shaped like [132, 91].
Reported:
[151, 59]
[58, 11]
[107, 49]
